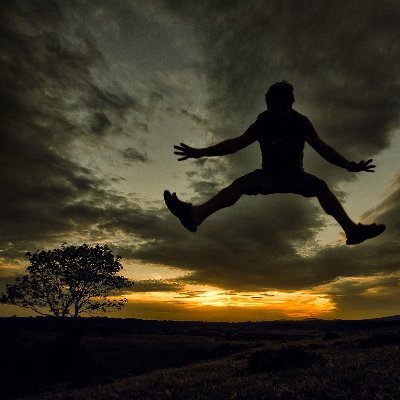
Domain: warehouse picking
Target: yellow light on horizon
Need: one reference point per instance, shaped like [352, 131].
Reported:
[290, 304]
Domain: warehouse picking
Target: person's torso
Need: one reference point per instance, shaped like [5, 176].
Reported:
[282, 142]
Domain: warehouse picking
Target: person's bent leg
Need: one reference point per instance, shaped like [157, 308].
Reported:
[225, 198]
[332, 206]
[356, 233]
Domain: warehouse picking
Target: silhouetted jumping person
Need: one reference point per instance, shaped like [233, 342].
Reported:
[281, 132]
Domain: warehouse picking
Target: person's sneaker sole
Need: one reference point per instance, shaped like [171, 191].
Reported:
[364, 233]
[181, 210]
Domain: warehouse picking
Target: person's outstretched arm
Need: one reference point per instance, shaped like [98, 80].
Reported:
[331, 155]
[220, 149]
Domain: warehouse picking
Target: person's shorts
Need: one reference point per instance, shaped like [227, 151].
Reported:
[265, 182]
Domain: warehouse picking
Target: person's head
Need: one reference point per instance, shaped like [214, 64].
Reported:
[279, 98]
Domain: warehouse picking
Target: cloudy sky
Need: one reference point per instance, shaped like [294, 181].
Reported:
[94, 94]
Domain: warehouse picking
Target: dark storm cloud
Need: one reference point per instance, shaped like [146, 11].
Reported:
[49, 98]
[341, 57]
[100, 123]
[194, 117]
[207, 178]
[152, 285]
[118, 102]
[131, 154]
[361, 286]
[367, 296]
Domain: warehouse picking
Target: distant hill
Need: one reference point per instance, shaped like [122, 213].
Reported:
[133, 325]
[391, 318]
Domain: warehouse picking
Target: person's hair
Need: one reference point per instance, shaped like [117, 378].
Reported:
[279, 94]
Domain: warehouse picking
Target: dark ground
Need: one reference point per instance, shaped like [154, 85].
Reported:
[104, 358]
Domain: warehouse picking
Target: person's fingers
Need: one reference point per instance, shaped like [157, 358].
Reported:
[366, 163]
[179, 148]
[184, 145]
[183, 158]
[180, 153]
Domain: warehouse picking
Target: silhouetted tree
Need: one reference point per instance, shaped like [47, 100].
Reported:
[69, 281]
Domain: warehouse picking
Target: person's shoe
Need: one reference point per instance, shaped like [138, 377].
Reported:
[363, 232]
[181, 210]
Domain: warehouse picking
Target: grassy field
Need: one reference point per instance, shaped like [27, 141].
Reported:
[170, 360]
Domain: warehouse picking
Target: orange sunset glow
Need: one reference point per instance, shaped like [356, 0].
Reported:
[209, 303]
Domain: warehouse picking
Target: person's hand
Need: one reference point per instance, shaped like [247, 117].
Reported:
[187, 152]
[361, 166]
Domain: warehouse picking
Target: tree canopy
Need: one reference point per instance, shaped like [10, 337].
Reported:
[69, 281]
